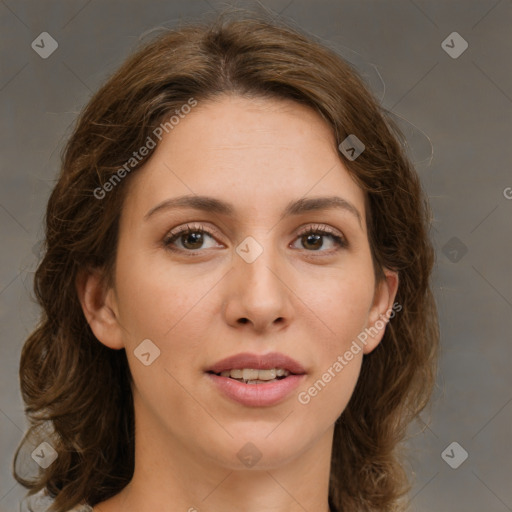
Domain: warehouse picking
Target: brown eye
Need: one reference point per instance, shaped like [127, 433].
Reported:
[192, 240]
[188, 239]
[313, 240]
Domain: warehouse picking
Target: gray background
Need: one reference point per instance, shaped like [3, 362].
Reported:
[463, 106]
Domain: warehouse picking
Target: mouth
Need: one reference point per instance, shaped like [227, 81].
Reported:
[256, 380]
[250, 367]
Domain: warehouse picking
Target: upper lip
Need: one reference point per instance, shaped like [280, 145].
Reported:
[258, 362]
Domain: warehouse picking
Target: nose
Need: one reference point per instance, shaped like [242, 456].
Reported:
[258, 295]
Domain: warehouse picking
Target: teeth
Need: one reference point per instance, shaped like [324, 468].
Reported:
[267, 374]
[253, 376]
[249, 374]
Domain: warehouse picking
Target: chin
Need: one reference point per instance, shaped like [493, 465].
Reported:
[256, 448]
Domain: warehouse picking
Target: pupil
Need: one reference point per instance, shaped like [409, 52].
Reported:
[197, 238]
[317, 239]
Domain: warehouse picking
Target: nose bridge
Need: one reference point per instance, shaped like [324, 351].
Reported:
[257, 293]
[256, 263]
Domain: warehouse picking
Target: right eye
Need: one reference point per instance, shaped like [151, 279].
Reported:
[191, 238]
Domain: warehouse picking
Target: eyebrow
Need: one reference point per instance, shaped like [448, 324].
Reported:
[214, 205]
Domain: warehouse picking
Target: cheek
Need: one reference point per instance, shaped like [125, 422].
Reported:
[171, 309]
[338, 358]
[155, 301]
[341, 302]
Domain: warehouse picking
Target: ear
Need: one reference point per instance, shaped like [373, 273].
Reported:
[383, 308]
[100, 308]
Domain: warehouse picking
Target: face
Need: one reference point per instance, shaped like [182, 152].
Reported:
[266, 271]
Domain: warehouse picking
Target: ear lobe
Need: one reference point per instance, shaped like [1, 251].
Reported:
[99, 307]
[382, 308]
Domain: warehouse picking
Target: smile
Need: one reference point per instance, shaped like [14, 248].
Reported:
[256, 380]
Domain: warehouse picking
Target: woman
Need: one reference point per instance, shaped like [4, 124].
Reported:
[237, 312]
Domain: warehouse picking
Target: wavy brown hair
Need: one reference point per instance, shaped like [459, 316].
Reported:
[78, 392]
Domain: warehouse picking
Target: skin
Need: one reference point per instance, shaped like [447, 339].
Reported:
[258, 154]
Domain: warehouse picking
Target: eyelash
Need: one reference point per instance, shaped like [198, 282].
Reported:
[321, 230]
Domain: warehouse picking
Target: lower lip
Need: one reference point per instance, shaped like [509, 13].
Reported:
[256, 395]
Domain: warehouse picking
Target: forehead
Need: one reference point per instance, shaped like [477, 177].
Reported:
[254, 152]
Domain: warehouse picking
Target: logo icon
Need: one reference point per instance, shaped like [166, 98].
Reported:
[147, 352]
[351, 147]
[249, 455]
[44, 45]
[249, 249]
[454, 45]
[454, 249]
[45, 455]
[454, 455]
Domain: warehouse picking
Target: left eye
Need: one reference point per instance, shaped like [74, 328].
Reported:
[313, 238]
